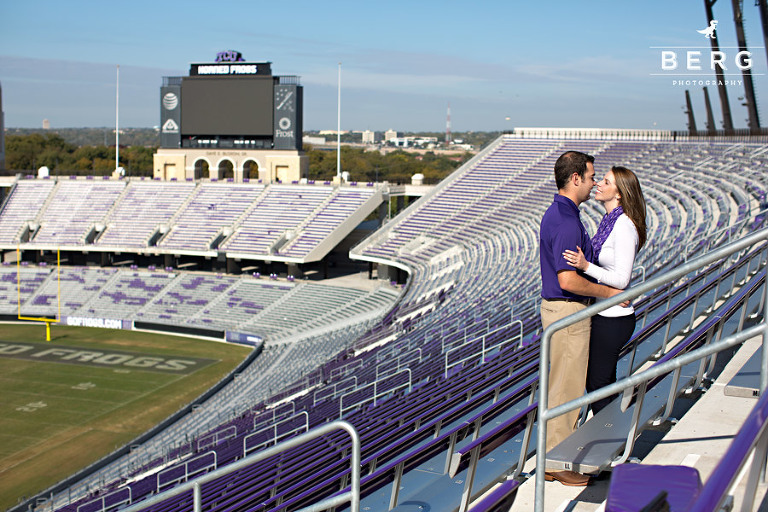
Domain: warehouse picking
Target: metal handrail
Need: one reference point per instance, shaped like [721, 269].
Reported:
[642, 269]
[729, 229]
[103, 499]
[187, 473]
[247, 449]
[750, 443]
[334, 387]
[545, 414]
[399, 361]
[483, 348]
[216, 437]
[353, 496]
[376, 394]
[466, 329]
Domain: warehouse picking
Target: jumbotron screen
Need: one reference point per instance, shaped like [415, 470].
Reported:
[227, 106]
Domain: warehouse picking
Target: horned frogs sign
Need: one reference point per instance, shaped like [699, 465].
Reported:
[104, 358]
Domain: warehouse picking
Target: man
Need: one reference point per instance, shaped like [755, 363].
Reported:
[564, 291]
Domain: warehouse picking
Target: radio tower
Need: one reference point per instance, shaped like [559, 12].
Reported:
[448, 126]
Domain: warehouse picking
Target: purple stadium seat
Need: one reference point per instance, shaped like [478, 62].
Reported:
[633, 486]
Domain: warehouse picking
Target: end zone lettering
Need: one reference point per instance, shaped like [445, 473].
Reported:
[76, 355]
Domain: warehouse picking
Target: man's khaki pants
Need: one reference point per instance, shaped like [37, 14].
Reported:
[569, 352]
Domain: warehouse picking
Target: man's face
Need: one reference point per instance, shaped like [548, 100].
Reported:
[584, 185]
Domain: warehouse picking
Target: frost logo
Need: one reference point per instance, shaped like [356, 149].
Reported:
[709, 32]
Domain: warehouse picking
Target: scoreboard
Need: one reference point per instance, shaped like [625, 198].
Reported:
[235, 106]
[231, 103]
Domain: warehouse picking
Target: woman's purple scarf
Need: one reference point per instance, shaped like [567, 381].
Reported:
[603, 230]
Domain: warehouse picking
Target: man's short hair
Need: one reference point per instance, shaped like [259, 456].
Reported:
[571, 162]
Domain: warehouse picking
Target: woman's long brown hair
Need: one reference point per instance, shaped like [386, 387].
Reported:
[632, 200]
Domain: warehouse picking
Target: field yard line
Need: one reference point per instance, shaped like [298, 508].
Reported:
[84, 430]
[48, 396]
[138, 397]
[80, 431]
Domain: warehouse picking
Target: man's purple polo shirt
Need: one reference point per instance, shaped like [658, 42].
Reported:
[561, 229]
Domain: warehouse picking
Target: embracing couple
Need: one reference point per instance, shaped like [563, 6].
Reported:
[576, 269]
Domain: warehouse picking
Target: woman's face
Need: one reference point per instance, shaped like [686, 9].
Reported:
[606, 188]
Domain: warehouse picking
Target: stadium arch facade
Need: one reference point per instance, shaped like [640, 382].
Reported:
[265, 165]
[235, 112]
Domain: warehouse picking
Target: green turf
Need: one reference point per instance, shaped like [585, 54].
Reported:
[57, 418]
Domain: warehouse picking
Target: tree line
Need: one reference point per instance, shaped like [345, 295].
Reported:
[396, 166]
[25, 153]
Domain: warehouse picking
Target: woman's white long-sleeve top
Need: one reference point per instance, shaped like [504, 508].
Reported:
[616, 260]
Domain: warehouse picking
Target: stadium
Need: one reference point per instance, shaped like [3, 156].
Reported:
[418, 389]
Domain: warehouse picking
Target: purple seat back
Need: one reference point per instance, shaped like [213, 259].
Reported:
[634, 485]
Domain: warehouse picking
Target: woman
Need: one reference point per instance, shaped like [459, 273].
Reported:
[620, 235]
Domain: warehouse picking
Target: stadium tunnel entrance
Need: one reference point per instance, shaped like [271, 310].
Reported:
[201, 169]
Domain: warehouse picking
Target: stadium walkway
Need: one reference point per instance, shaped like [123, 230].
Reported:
[699, 439]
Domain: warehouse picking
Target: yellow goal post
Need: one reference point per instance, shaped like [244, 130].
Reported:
[47, 321]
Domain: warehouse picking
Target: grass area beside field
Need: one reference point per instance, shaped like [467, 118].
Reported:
[57, 417]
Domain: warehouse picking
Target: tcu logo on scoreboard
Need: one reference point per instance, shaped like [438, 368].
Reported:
[229, 56]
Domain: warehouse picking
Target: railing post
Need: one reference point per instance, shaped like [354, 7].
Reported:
[759, 454]
[196, 496]
[764, 365]
[530, 420]
[544, 414]
[641, 268]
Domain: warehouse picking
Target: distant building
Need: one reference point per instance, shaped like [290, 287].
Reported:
[315, 141]
[424, 141]
[418, 142]
[46, 124]
[369, 137]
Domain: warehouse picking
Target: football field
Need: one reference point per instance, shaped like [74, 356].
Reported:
[68, 402]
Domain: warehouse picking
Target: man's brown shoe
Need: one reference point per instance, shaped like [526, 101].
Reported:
[567, 478]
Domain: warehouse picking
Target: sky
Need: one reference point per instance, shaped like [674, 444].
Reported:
[497, 64]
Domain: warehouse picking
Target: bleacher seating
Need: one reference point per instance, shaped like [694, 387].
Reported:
[454, 364]
[278, 211]
[21, 207]
[141, 211]
[270, 309]
[296, 222]
[73, 209]
[212, 208]
[336, 210]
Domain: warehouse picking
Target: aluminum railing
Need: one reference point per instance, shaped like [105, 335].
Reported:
[483, 348]
[377, 394]
[352, 496]
[545, 413]
[750, 443]
[726, 232]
